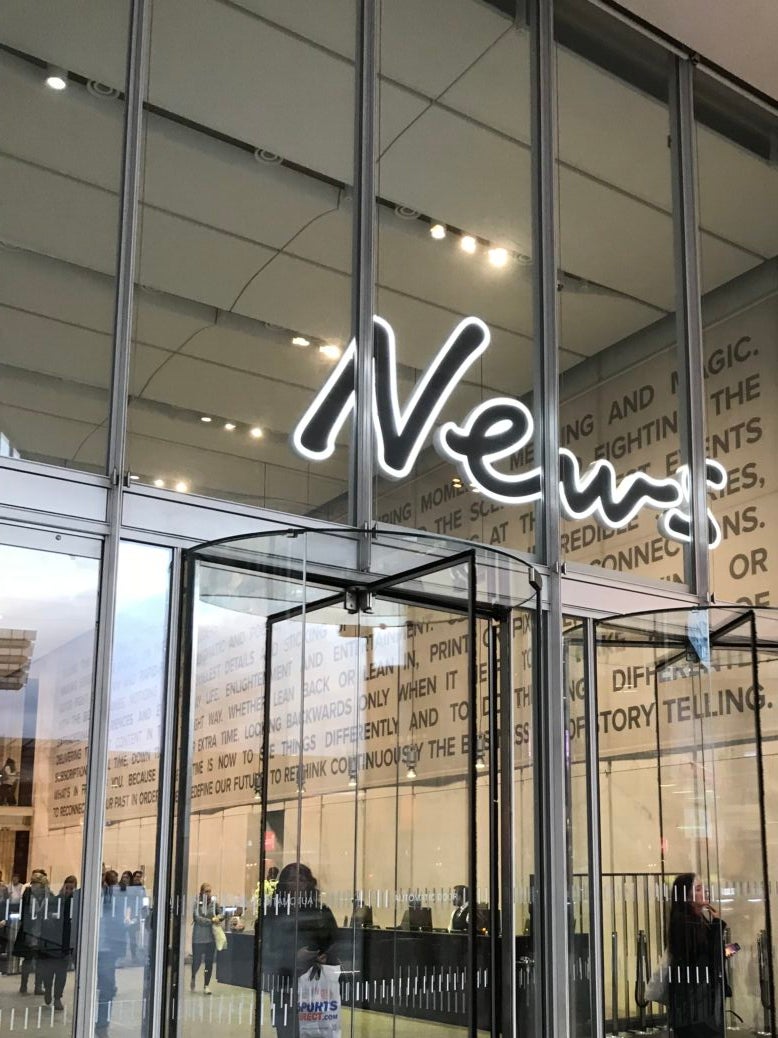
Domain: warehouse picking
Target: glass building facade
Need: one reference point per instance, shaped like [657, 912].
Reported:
[386, 518]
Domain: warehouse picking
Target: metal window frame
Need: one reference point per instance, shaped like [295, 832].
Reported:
[551, 811]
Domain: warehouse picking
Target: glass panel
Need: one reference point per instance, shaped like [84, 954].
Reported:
[619, 400]
[680, 779]
[738, 202]
[455, 236]
[244, 293]
[62, 67]
[48, 604]
[578, 840]
[129, 837]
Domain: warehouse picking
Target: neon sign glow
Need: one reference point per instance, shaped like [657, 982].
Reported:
[493, 431]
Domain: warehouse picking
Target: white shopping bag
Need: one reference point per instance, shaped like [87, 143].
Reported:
[318, 1002]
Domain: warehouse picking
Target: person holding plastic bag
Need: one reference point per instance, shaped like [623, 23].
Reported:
[300, 970]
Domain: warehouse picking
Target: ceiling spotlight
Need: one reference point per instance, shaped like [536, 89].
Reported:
[300, 340]
[411, 772]
[498, 257]
[438, 231]
[205, 418]
[56, 77]
[330, 351]
[159, 483]
[181, 486]
[467, 243]
[229, 426]
[480, 763]
[352, 781]
[134, 478]
[256, 432]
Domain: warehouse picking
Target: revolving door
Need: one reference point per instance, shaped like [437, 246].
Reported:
[684, 749]
[354, 829]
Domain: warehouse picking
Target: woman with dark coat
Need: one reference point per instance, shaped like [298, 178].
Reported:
[27, 945]
[298, 931]
[695, 943]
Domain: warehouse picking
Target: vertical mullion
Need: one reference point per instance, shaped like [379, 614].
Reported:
[691, 382]
[596, 990]
[161, 902]
[364, 266]
[507, 823]
[472, 798]
[97, 761]
[549, 713]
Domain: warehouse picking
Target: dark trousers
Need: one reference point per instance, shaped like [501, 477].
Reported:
[203, 953]
[106, 985]
[52, 974]
[30, 965]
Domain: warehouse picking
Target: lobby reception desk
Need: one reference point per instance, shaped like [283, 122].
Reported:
[414, 974]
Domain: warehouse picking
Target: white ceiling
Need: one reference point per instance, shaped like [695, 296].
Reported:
[235, 254]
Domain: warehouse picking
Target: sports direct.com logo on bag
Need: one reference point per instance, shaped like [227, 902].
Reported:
[326, 1010]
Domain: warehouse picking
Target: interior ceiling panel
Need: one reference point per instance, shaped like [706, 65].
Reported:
[84, 36]
[612, 131]
[168, 321]
[409, 260]
[294, 294]
[165, 424]
[57, 434]
[272, 89]
[262, 356]
[71, 131]
[54, 348]
[463, 175]
[615, 241]
[330, 23]
[197, 262]
[66, 399]
[59, 290]
[496, 89]
[418, 47]
[48, 213]
[191, 174]
[720, 262]
[191, 383]
[327, 237]
[738, 214]
[590, 321]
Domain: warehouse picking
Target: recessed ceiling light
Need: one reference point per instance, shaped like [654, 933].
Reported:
[134, 478]
[205, 418]
[159, 483]
[256, 432]
[300, 340]
[498, 257]
[229, 426]
[182, 487]
[467, 243]
[56, 77]
[330, 350]
[438, 231]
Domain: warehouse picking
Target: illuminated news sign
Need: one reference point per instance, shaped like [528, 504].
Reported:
[490, 433]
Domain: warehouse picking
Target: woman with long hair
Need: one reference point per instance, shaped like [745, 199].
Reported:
[298, 931]
[695, 944]
[205, 914]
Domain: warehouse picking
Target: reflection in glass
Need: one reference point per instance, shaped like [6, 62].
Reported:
[60, 171]
[243, 300]
[127, 915]
[48, 604]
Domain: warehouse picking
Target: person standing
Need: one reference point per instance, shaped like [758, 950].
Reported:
[695, 945]
[205, 914]
[136, 913]
[110, 947]
[9, 778]
[57, 942]
[28, 937]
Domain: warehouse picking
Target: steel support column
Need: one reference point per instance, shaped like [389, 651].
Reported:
[97, 761]
[691, 383]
